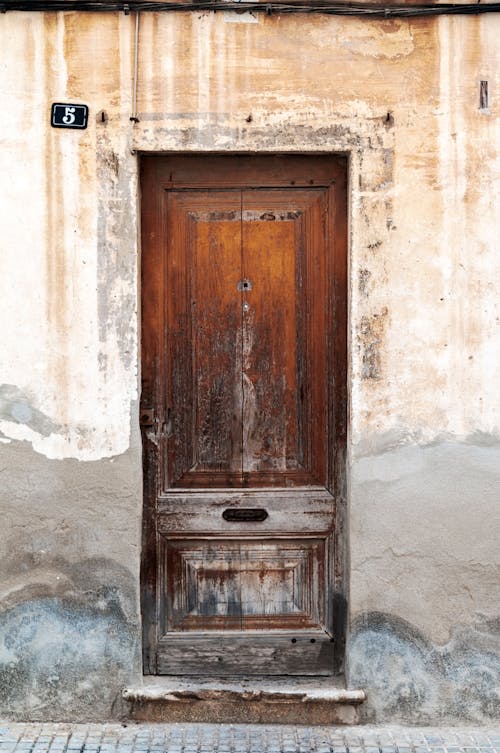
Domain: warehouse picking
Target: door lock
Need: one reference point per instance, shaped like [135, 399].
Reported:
[244, 285]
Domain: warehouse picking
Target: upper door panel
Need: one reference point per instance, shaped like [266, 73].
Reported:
[246, 338]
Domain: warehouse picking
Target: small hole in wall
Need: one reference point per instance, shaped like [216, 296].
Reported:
[483, 95]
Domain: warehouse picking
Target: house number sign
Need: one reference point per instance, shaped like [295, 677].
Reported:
[69, 116]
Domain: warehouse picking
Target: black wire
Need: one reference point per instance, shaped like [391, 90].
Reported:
[318, 6]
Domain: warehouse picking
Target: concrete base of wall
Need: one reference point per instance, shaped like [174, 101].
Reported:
[283, 701]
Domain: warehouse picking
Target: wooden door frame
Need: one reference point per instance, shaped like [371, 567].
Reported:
[152, 171]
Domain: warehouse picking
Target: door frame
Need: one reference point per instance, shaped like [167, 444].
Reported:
[151, 206]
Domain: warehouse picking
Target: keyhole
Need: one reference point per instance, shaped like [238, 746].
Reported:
[244, 285]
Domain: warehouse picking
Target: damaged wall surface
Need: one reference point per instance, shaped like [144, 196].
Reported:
[401, 98]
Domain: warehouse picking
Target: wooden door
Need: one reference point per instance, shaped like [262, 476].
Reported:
[243, 412]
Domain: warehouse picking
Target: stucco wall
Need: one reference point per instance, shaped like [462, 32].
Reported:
[402, 98]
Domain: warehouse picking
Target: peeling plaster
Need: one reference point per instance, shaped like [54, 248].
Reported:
[371, 340]
[73, 289]
[69, 597]
[15, 406]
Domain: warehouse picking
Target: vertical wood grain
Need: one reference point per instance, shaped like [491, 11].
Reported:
[203, 338]
[270, 250]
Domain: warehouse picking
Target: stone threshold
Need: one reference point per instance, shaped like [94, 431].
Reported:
[284, 700]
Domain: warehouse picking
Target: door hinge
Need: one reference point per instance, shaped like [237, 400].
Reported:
[148, 419]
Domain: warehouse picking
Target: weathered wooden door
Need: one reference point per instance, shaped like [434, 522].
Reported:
[243, 412]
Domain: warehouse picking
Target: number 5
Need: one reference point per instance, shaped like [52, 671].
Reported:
[69, 116]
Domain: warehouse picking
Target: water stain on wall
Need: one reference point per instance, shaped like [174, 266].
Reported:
[78, 644]
[411, 679]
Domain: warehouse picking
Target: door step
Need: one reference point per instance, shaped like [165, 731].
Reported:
[286, 700]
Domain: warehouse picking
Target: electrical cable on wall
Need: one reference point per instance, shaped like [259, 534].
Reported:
[369, 10]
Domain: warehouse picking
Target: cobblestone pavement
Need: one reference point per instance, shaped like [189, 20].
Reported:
[240, 738]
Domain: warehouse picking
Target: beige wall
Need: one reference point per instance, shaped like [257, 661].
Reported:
[402, 98]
